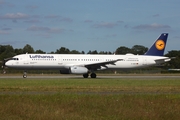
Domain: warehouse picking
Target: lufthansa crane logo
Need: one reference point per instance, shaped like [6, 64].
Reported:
[160, 44]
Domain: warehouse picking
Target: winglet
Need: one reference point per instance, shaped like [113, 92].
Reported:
[157, 49]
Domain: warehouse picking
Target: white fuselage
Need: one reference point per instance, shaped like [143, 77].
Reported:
[64, 61]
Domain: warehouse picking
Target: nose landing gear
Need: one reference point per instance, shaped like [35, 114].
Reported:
[25, 74]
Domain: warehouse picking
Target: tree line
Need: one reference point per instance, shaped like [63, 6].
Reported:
[7, 51]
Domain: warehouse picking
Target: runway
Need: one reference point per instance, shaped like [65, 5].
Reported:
[98, 77]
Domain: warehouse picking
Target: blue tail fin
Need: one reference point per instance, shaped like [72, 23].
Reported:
[157, 49]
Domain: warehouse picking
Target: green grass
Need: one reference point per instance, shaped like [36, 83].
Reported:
[87, 99]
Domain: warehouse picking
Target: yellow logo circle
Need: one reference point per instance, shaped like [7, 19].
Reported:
[160, 44]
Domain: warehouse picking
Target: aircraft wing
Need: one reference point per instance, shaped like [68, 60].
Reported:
[95, 66]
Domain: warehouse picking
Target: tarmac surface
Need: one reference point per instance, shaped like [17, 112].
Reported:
[98, 77]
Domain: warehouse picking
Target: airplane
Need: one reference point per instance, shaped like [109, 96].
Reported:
[87, 64]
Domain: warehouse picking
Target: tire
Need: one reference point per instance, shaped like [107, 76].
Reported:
[85, 75]
[93, 75]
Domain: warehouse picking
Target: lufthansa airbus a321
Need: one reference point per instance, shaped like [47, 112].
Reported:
[87, 64]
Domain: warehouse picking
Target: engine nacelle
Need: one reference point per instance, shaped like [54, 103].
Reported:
[78, 70]
[74, 70]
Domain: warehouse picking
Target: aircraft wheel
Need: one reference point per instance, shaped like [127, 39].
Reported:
[93, 75]
[85, 75]
[24, 76]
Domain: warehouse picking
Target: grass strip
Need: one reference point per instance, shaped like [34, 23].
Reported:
[80, 99]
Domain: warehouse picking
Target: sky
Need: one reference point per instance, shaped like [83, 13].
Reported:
[83, 25]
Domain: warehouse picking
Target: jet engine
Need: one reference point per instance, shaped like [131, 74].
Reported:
[75, 70]
[78, 70]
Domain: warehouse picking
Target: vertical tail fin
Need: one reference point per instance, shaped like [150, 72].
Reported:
[157, 49]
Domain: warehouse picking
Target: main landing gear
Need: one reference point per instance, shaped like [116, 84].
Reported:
[93, 75]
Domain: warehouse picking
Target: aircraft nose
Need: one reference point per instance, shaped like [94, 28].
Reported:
[8, 63]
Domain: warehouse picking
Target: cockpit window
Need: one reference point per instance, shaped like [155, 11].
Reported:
[14, 58]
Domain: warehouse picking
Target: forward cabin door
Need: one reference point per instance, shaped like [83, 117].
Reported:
[25, 59]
